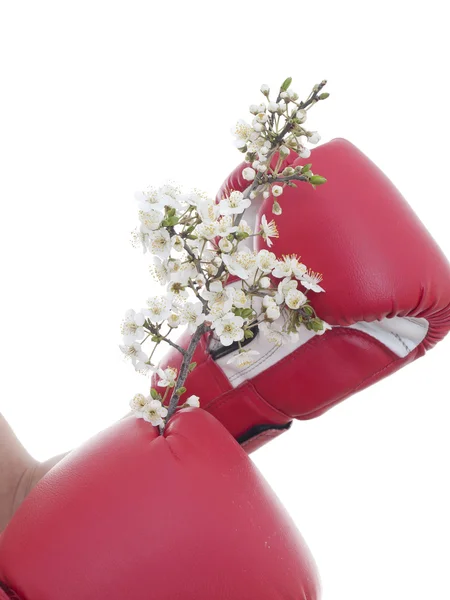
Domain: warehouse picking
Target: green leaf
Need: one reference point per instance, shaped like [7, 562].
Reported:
[248, 334]
[317, 180]
[306, 167]
[192, 366]
[286, 83]
[324, 96]
[246, 313]
[154, 394]
[180, 391]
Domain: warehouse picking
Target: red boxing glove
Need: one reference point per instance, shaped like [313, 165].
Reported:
[387, 296]
[134, 515]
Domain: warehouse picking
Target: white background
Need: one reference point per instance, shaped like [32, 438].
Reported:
[100, 99]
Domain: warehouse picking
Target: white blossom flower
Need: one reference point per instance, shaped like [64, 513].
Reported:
[225, 245]
[249, 174]
[244, 227]
[277, 190]
[235, 204]
[244, 359]
[193, 401]
[157, 199]
[151, 220]
[243, 132]
[154, 412]
[159, 308]
[192, 314]
[177, 243]
[167, 377]
[174, 320]
[229, 329]
[207, 231]
[284, 287]
[273, 333]
[132, 327]
[238, 297]
[159, 243]
[139, 239]
[193, 198]
[211, 269]
[225, 226]
[144, 367]
[208, 211]
[298, 268]
[200, 279]
[218, 311]
[314, 138]
[283, 268]
[295, 299]
[268, 230]
[217, 295]
[177, 290]
[261, 117]
[134, 352]
[159, 270]
[265, 260]
[242, 264]
[137, 403]
[184, 273]
[310, 281]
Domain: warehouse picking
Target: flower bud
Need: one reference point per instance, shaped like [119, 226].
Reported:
[252, 195]
[288, 172]
[265, 89]
[273, 313]
[249, 174]
[301, 115]
[254, 109]
[284, 151]
[264, 282]
[314, 137]
[281, 106]
[272, 107]
[266, 195]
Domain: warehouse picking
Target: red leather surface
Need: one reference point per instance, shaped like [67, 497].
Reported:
[378, 261]
[132, 515]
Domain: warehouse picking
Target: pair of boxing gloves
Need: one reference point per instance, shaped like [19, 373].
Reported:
[134, 514]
